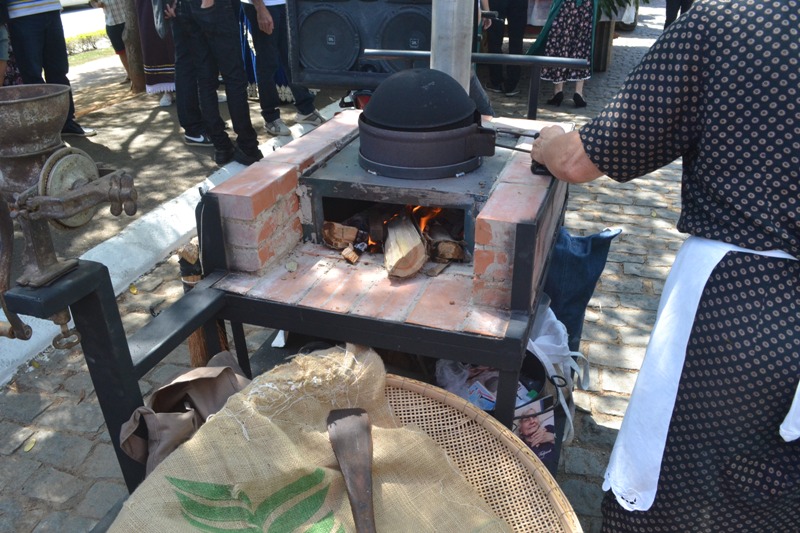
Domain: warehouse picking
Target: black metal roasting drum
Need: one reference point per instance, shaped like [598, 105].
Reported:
[421, 124]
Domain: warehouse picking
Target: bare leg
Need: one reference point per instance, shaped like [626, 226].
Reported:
[578, 96]
[123, 58]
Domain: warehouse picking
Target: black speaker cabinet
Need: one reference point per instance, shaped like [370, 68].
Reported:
[327, 39]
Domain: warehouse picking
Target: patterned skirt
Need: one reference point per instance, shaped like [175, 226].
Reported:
[725, 466]
[570, 36]
[158, 55]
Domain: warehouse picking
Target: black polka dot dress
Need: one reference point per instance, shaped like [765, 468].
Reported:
[570, 36]
[721, 88]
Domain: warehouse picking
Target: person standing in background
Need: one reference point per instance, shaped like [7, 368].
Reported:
[37, 37]
[115, 26]
[568, 32]
[158, 55]
[268, 27]
[673, 7]
[210, 31]
[516, 13]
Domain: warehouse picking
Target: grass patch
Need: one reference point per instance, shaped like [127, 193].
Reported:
[90, 55]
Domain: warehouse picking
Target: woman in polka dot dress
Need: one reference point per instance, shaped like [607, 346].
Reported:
[568, 32]
[710, 439]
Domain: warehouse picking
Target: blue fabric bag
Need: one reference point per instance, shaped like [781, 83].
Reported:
[575, 268]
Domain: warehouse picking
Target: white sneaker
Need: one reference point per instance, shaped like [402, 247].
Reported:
[313, 118]
[166, 100]
[277, 127]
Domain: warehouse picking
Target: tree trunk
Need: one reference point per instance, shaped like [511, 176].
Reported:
[133, 47]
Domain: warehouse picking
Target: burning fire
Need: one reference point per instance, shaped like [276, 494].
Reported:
[425, 214]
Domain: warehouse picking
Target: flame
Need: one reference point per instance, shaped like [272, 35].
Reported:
[425, 216]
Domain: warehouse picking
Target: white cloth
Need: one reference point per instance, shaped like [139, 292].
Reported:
[790, 429]
[635, 462]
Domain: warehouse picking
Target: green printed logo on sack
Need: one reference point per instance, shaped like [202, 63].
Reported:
[218, 508]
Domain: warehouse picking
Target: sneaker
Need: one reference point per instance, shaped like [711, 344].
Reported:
[277, 127]
[512, 92]
[166, 100]
[313, 118]
[197, 140]
[224, 156]
[494, 88]
[247, 157]
[72, 128]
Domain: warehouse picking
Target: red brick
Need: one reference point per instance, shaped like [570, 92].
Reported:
[279, 272]
[254, 189]
[237, 282]
[518, 170]
[388, 298]
[443, 305]
[514, 202]
[319, 144]
[492, 293]
[243, 259]
[280, 285]
[487, 321]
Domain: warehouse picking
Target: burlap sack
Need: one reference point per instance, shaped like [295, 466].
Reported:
[265, 463]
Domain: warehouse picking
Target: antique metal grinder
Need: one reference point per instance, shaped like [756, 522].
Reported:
[43, 182]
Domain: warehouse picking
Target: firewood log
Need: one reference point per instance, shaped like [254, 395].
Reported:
[404, 250]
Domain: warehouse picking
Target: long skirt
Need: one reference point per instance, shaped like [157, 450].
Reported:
[158, 54]
[725, 466]
[570, 36]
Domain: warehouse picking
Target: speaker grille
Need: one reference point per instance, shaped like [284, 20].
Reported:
[329, 39]
[406, 30]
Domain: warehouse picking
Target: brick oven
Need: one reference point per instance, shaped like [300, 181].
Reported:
[474, 311]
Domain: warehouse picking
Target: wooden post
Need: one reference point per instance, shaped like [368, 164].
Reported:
[451, 38]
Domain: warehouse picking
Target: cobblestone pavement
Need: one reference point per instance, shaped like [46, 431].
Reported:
[58, 471]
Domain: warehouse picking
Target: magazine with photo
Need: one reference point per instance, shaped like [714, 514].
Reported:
[534, 424]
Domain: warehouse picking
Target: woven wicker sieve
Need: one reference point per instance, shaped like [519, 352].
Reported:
[505, 472]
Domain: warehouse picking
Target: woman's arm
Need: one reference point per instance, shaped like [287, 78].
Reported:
[563, 155]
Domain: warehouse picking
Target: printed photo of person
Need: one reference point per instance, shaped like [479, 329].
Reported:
[536, 429]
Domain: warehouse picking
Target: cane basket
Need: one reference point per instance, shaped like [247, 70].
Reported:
[511, 479]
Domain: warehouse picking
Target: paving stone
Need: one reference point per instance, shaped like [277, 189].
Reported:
[45, 379]
[15, 470]
[164, 374]
[586, 462]
[12, 436]
[600, 332]
[60, 449]
[101, 463]
[52, 486]
[596, 431]
[67, 414]
[585, 496]
[17, 517]
[78, 383]
[645, 270]
[101, 498]
[628, 357]
[61, 522]
[22, 407]
[639, 301]
[610, 405]
[617, 380]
